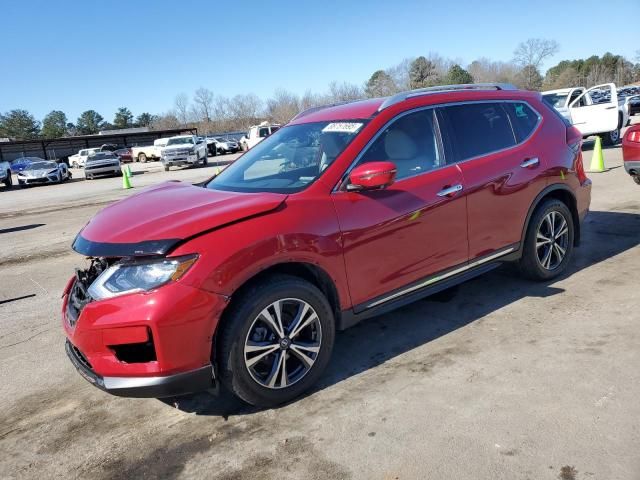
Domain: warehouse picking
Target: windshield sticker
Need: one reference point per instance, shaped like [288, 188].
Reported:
[342, 127]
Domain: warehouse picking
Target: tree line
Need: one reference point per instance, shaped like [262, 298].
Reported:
[211, 113]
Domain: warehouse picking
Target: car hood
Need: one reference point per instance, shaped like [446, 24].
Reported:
[158, 218]
[183, 146]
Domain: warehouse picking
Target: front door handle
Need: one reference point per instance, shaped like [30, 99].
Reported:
[530, 162]
[450, 191]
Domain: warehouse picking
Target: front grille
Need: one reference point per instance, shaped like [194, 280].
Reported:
[79, 294]
[177, 152]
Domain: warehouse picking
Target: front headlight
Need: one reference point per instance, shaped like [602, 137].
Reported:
[192, 151]
[123, 278]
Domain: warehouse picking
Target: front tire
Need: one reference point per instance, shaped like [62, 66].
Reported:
[8, 182]
[142, 158]
[276, 341]
[548, 244]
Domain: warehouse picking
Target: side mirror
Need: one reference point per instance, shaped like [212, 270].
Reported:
[372, 176]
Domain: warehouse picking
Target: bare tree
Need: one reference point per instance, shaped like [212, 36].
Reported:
[484, 70]
[283, 106]
[344, 92]
[203, 103]
[166, 121]
[181, 106]
[534, 51]
[400, 74]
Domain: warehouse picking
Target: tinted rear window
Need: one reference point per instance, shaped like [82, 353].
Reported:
[478, 129]
[523, 119]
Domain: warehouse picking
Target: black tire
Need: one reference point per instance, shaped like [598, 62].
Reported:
[611, 138]
[205, 160]
[242, 317]
[8, 182]
[636, 178]
[530, 265]
[166, 168]
[142, 158]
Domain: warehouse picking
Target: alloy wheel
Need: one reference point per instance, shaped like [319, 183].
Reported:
[552, 240]
[283, 343]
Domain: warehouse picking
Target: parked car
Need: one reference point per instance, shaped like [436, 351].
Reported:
[102, 163]
[593, 111]
[184, 150]
[149, 152]
[634, 105]
[212, 146]
[227, 145]
[42, 172]
[124, 154]
[20, 164]
[346, 212]
[256, 134]
[631, 152]
[5, 174]
[80, 159]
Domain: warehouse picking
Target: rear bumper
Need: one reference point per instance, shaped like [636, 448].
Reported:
[144, 387]
[632, 167]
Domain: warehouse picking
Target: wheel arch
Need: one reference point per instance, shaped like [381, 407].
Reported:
[310, 272]
[560, 192]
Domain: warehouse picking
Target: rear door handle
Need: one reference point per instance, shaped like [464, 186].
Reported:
[450, 191]
[530, 162]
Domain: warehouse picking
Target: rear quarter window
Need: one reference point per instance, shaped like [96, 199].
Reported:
[523, 119]
[478, 129]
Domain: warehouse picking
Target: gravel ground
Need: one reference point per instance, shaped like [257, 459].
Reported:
[506, 380]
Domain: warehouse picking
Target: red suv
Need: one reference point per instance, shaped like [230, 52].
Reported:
[347, 212]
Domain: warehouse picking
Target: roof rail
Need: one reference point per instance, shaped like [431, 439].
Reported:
[399, 97]
[321, 107]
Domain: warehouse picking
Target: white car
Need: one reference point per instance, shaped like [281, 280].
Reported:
[43, 172]
[226, 145]
[184, 150]
[80, 159]
[256, 134]
[593, 111]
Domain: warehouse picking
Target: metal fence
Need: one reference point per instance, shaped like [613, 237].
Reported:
[61, 148]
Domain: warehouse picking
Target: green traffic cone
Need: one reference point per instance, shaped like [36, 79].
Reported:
[597, 160]
[128, 170]
[126, 181]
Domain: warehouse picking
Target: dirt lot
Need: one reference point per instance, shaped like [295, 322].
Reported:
[507, 380]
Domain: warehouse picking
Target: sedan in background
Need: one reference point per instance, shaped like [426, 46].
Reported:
[124, 154]
[226, 145]
[42, 172]
[102, 163]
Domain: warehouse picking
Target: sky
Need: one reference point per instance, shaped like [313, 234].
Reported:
[79, 55]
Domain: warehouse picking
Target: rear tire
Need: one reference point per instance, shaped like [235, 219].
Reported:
[548, 243]
[611, 138]
[166, 168]
[142, 158]
[75, 165]
[8, 182]
[270, 379]
[636, 178]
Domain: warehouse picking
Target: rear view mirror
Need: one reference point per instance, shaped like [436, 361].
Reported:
[372, 176]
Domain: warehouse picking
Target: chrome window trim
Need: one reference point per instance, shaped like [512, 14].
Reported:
[345, 175]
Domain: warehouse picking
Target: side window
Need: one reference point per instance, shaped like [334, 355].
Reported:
[264, 132]
[523, 119]
[478, 129]
[409, 142]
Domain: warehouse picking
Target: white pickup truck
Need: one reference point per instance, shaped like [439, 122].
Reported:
[184, 150]
[593, 111]
[149, 152]
[79, 159]
[256, 134]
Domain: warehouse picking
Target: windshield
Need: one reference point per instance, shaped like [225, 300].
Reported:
[42, 165]
[180, 141]
[556, 99]
[290, 160]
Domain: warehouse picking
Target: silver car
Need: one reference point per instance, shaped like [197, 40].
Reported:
[102, 163]
[43, 171]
